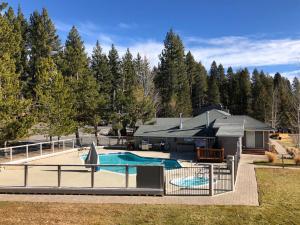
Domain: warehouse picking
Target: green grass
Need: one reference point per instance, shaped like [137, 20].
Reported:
[279, 196]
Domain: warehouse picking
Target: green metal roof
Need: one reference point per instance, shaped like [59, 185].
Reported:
[169, 127]
[230, 131]
[226, 125]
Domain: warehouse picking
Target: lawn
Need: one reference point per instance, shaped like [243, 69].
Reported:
[279, 196]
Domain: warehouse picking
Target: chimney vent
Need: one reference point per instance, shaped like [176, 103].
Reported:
[207, 119]
[180, 122]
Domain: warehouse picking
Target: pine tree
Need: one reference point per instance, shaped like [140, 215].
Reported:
[256, 88]
[114, 66]
[75, 69]
[75, 61]
[54, 100]
[125, 99]
[244, 92]
[172, 80]
[101, 71]
[213, 88]
[222, 85]
[191, 68]
[43, 42]
[15, 116]
[90, 103]
[199, 88]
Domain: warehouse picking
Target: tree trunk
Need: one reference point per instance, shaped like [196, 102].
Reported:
[119, 136]
[77, 137]
[96, 134]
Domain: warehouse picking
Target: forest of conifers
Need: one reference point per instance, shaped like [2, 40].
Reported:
[55, 88]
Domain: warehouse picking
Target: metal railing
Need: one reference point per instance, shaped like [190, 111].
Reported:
[35, 149]
[29, 177]
[26, 151]
[201, 179]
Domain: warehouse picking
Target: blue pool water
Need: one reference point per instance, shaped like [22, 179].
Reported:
[127, 158]
[189, 182]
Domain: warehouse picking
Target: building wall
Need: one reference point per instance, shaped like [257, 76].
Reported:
[172, 144]
[265, 137]
[230, 145]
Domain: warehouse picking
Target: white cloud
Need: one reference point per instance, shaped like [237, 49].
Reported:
[291, 74]
[242, 51]
[235, 51]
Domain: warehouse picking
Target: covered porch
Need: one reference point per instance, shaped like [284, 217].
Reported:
[256, 141]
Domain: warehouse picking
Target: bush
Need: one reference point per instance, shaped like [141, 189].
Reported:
[297, 159]
[271, 156]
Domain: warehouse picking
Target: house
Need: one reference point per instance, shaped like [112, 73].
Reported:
[212, 129]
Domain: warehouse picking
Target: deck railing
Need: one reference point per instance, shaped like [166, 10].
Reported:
[27, 151]
[81, 179]
[35, 149]
[210, 154]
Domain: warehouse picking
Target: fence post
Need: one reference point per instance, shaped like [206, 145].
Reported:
[232, 170]
[41, 149]
[63, 143]
[52, 146]
[10, 153]
[25, 175]
[58, 175]
[126, 175]
[73, 144]
[27, 151]
[211, 179]
[92, 176]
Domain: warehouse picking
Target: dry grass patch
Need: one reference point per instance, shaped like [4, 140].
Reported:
[271, 156]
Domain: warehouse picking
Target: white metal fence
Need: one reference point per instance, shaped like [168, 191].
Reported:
[26, 151]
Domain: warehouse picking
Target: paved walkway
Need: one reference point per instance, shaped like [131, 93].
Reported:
[245, 192]
[279, 148]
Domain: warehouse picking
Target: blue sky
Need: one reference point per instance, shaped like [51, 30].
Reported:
[263, 34]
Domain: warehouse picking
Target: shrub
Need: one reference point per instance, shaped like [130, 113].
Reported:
[271, 156]
[297, 159]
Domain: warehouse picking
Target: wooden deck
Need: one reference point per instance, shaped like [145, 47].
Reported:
[210, 155]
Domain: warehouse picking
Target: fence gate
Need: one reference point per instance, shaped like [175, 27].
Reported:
[201, 180]
[187, 181]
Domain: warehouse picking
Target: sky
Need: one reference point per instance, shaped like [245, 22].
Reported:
[240, 33]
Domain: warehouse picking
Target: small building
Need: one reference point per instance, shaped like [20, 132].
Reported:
[212, 129]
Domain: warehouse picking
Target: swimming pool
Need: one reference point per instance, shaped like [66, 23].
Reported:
[128, 158]
[190, 182]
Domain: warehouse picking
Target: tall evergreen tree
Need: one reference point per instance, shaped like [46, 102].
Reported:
[245, 91]
[15, 112]
[101, 71]
[171, 80]
[144, 75]
[75, 69]
[115, 69]
[222, 85]
[75, 61]
[43, 42]
[191, 68]
[213, 88]
[54, 100]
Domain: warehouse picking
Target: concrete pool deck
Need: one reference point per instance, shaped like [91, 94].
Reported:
[245, 192]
